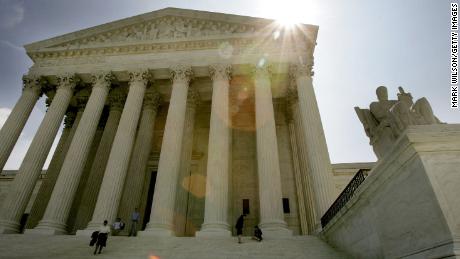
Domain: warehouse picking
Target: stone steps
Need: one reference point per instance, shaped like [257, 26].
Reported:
[31, 246]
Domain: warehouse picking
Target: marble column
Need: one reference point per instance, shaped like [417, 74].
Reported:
[111, 189]
[297, 173]
[91, 190]
[162, 214]
[318, 156]
[134, 183]
[14, 125]
[182, 192]
[216, 203]
[46, 188]
[58, 209]
[312, 219]
[24, 182]
[271, 212]
[77, 201]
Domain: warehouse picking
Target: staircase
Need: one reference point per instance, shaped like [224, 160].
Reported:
[30, 246]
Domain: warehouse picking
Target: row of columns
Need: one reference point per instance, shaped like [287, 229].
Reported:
[123, 148]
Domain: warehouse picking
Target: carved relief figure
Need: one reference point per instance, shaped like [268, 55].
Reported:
[165, 28]
[181, 31]
[151, 32]
[387, 119]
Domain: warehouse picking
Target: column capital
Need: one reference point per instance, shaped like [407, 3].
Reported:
[296, 70]
[102, 79]
[141, 76]
[152, 99]
[67, 81]
[181, 73]
[261, 71]
[220, 72]
[32, 83]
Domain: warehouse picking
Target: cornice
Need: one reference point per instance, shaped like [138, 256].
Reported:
[140, 48]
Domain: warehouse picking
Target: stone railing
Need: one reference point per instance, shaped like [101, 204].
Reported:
[344, 196]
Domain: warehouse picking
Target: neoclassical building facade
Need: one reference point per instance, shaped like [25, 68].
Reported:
[193, 118]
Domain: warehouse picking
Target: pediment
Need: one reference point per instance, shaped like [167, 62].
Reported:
[166, 25]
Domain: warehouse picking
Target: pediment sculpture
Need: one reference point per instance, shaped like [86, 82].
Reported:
[169, 27]
[386, 120]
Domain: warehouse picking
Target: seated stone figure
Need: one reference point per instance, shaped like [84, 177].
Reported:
[405, 112]
[386, 119]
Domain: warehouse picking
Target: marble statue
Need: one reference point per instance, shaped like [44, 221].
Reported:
[386, 120]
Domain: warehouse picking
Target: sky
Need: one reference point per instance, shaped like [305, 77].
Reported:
[362, 44]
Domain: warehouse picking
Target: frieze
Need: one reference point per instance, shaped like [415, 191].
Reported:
[68, 61]
[165, 28]
[95, 55]
[58, 57]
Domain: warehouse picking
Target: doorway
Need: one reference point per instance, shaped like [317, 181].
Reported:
[148, 207]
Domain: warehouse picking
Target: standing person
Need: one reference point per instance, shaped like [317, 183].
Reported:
[134, 219]
[257, 234]
[239, 227]
[117, 226]
[102, 237]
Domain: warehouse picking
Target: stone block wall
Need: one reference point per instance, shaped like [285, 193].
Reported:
[408, 205]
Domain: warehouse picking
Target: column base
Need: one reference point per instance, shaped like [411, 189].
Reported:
[47, 228]
[94, 225]
[157, 230]
[275, 230]
[9, 227]
[89, 229]
[215, 229]
[44, 232]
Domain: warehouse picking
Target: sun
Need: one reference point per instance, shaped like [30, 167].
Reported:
[288, 13]
[287, 21]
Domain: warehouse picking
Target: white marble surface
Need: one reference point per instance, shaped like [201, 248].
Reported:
[408, 206]
[71, 247]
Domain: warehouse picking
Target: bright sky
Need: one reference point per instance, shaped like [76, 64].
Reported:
[361, 44]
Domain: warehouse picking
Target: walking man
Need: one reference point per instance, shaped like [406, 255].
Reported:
[134, 219]
[239, 227]
[102, 237]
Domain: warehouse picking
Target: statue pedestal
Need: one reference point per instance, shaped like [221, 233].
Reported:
[409, 204]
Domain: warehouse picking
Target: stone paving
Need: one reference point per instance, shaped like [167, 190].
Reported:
[73, 247]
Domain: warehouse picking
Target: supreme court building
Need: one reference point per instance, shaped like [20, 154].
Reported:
[192, 117]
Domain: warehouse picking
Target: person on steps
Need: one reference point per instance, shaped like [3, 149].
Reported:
[257, 234]
[239, 227]
[134, 219]
[102, 237]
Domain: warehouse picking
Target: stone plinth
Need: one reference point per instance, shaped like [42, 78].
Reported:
[408, 206]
